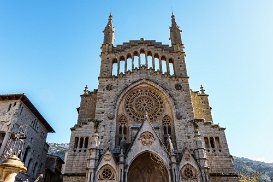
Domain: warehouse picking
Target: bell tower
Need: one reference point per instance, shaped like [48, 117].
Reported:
[106, 48]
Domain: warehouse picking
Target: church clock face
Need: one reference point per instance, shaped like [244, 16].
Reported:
[142, 100]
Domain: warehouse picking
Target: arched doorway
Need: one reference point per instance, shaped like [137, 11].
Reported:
[148, 167]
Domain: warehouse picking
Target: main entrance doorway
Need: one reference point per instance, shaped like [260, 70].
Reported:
[148, 167]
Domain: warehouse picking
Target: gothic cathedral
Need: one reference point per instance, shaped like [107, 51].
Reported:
[144, 123]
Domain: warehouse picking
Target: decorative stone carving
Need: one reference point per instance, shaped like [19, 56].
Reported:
[107, 173]
[188, 172]
[140, 101]
[178, 115]
[96, 124]
[110, 116]
[178, 86]
[109, 87]
[107, 156]
[147, 138]
[187, 157]
[4, 125]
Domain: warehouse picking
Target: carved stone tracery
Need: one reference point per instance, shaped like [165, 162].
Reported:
[107, 173]
[188, 172]
[142, 100]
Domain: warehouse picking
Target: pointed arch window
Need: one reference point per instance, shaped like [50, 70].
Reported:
[129, 63]
[122, 128]
[167, 127]
[171, 67]
[121, 68]
[114, 67]
[142, 58]
[164, 66]
[136, 60]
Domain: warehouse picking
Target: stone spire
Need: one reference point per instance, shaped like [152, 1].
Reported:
[109, 31]
[175, 32]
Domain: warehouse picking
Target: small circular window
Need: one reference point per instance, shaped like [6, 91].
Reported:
[188, 172]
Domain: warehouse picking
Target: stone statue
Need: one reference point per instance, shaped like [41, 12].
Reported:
[170, 145]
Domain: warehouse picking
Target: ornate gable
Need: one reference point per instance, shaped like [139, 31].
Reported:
[147, 140]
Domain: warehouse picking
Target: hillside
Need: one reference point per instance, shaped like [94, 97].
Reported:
[58, 149]
[243, 166]
[248, 167]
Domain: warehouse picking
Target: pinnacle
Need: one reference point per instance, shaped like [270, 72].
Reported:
[202, 90]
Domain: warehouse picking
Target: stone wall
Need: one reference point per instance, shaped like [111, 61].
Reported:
[219, 158]
[16, 115]
[107, 101]
[87, 107]
[74, 178]
[76, 161]
[201, 107]
[36, 135]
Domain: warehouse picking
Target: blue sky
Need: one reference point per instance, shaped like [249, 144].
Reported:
[49, 50]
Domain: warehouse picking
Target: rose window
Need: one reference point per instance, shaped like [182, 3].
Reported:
[188, 172]
[140, 101]
[106, 174]
[144, 104]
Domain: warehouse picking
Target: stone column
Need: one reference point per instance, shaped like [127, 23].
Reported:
[146, 61]
[200, 156]
[174, 168]
[167, 66]
[153, 60]
[121, 166]
[133, 62]
[139, 65]
[92, 158]
[125, 172]
[160, 65]
[125, 65]
[118, 67]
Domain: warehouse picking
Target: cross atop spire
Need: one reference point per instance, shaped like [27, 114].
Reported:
[85, 91]
[202, 90]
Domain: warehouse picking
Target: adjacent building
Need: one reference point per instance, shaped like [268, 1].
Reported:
[144, 123]
[53, 169]
[19, 115]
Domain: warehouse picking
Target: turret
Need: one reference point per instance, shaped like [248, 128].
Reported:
[106, 48]
[109, 31]
[175, 35]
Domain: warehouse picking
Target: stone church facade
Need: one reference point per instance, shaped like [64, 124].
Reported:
[144, 123]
